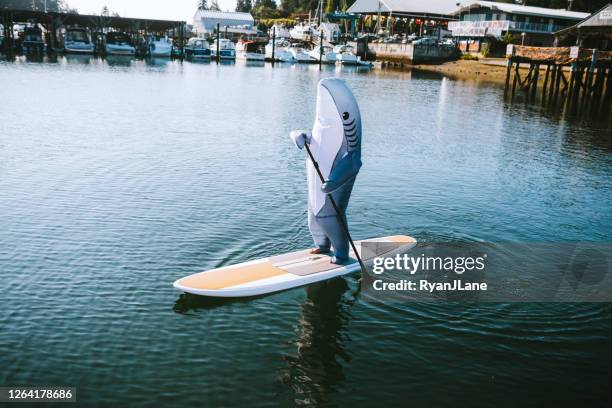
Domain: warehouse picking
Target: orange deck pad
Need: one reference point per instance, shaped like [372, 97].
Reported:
[231, 276]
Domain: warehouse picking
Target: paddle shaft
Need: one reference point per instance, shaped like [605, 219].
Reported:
[333, 203]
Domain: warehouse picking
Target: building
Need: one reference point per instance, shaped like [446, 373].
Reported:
[438, 9]
[234, 24]
[595, 31]
[424, 13]
[488, 22]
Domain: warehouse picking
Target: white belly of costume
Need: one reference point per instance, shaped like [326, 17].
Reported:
[327, 137]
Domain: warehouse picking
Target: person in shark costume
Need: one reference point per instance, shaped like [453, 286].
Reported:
[335, 142]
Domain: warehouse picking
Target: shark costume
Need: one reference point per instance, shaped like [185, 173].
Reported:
[335, 142]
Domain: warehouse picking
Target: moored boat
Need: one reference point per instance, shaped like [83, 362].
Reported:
[250, 50]
[226, 49]
[301, 32]
[78, 41]
[33, 42]
[118, 43]
[281, 51]
[197, 49]
[328, 56]
[299, 53]
[346, 55]
[160, 46]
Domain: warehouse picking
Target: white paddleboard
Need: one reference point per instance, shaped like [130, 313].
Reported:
[279, 272]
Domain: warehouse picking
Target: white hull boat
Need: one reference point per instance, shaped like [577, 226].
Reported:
[329, 56]
[299, 54]
[227, 50]
[250, 51]
[78, 41]
[160, 47]
[119, 44]
[281, 52]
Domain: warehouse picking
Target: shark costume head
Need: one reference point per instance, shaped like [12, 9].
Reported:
[335, 142]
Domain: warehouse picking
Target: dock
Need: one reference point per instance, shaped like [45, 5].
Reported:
[53, 21]
[573, 76]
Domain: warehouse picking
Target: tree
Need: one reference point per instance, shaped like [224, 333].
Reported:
[214, 5]
[203, 5]
[105, 11]
[329, 7]
[244, 6]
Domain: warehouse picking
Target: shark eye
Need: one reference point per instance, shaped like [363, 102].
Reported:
[345, 115]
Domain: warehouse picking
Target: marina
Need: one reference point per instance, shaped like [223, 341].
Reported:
[165, 240]
[117, 186]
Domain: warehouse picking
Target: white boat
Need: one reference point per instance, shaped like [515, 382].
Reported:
[281, 51]
[160, 46]
[299, 53]
[78, 41]
[301, 32]
[250, 50]
[346, 55]
[280, 31]
[197, 49]
[227, 50]
[329, 56]
[118, 43]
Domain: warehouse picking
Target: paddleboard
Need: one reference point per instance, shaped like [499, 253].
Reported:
[283, 272]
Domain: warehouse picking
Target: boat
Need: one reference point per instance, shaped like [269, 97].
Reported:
[33, 42]
[227, 50]
[160, 46]
[345, 55]
[281, 51]
[118, 43]
[197, 49]
[299, 53]
[329, 56]
[250, 50]
[280, 31]
[301, 32]
[78, 41]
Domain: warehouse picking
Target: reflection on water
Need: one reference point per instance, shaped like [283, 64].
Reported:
[315, 370]
[121, 176]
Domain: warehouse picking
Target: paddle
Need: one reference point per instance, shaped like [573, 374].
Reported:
[333, 203]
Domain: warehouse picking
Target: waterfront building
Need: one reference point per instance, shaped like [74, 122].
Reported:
[488, 22]
[423, 13]
[233, 24]
[426, 9]
[595, 31]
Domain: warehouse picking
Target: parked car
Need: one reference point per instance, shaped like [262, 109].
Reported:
[425, 41]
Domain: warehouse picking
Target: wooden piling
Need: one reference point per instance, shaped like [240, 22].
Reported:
[545, 85]
[218, 42]
[273, 43]
[534, 85]
[516, 78]
[508, 69]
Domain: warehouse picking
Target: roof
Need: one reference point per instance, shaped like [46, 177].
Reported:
[236, 17]
[601, 18]
[93, 21]
[519, 9]
[419, 8]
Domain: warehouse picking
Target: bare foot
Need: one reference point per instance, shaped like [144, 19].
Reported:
[318, 251]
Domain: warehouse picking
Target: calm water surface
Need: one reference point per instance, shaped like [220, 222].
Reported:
[118, 177]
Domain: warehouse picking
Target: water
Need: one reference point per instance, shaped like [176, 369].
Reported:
[119, 177]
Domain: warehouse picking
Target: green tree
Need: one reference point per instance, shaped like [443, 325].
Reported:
[203, 5]
[329, 7]
[214, 5]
